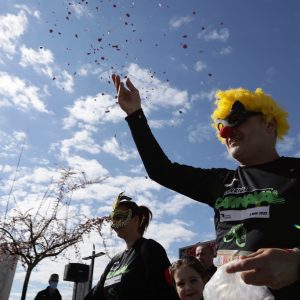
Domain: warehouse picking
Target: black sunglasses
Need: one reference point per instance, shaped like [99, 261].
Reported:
[236, 116]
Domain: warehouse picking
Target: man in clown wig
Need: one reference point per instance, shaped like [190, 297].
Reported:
[257, 205]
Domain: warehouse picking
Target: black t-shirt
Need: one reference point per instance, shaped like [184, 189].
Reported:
[137, 273]
[254, 207]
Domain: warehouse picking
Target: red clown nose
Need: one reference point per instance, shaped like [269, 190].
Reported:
[226, 132]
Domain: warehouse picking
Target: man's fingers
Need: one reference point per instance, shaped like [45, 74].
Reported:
[121, 89]
[116, 81]
[255, 278]
[245, 264]
[130, 85]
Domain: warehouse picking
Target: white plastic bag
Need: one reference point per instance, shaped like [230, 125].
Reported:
[225, 286]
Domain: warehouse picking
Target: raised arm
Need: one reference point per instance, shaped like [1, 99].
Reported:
[196, 183]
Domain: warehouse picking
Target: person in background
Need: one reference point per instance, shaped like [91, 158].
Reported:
[256, 205]
[205, 254]
[51, 292]
[189, 277]
[140, 271]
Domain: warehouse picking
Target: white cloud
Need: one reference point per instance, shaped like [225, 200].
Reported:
[19, 135]
[113, 147]
[163, 123]
[155, 93]
[27, 185]
[64, 81]
[16, 92]
[11, 144]
[29, 11]
[93, 110]
[105, 192]
[42, 62]
[226, 50]
[200, 133]
[81, 141]
[31, 57]
[177, 22]
[12, 28]
[286, 144]
[7, 168]
[91, 167]
[168, 233]
[215, 35]
[138, 169]
[184, 67]
[79, 9]
[88, 69]
[202, 96]
[200, 66]
[175, 204]
[102, 108]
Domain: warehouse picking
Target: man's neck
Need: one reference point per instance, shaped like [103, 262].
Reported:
[259, 160]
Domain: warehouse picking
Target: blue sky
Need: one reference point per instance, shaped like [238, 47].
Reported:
[57, 100]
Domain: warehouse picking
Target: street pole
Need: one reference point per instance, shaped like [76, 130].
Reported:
[92, 258]
[92, 268]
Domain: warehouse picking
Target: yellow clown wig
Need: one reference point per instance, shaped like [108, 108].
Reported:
[256, 101]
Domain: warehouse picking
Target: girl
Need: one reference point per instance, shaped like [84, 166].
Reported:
[189, 278]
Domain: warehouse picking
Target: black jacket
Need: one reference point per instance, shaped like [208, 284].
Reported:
[135, 274]
[45, 295]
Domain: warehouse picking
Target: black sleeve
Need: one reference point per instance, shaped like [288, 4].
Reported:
[156, 264]
[197, 183]
[96, 293]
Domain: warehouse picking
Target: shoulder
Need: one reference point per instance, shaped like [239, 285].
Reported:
[290, 160]
[43, 291]
[153, 248]
[289, 165]
[151, 243]
[154, 254]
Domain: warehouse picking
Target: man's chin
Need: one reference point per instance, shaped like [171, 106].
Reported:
[235, 152]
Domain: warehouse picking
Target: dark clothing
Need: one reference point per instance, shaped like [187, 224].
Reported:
[45, 295]
[137, 273]
[255, 207]
[211, 271]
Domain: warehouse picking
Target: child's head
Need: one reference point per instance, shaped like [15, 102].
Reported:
[189, 278]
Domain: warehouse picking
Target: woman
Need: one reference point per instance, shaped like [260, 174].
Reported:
[189, 278]
[139, 271]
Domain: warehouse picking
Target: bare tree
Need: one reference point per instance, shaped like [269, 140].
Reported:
[49, 229]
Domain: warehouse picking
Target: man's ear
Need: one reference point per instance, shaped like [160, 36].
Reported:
[272, 126]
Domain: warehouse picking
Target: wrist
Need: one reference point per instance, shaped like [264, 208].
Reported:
[132, 110]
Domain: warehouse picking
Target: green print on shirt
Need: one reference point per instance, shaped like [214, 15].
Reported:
[120, 271]
[237, 232]
[112, 292]
[256, 198]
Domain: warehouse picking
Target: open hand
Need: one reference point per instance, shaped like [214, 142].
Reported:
[272, 267]
[128, 97]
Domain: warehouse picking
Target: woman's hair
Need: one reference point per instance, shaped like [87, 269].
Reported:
[192, 262]
[143, 212]
[256, 101]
